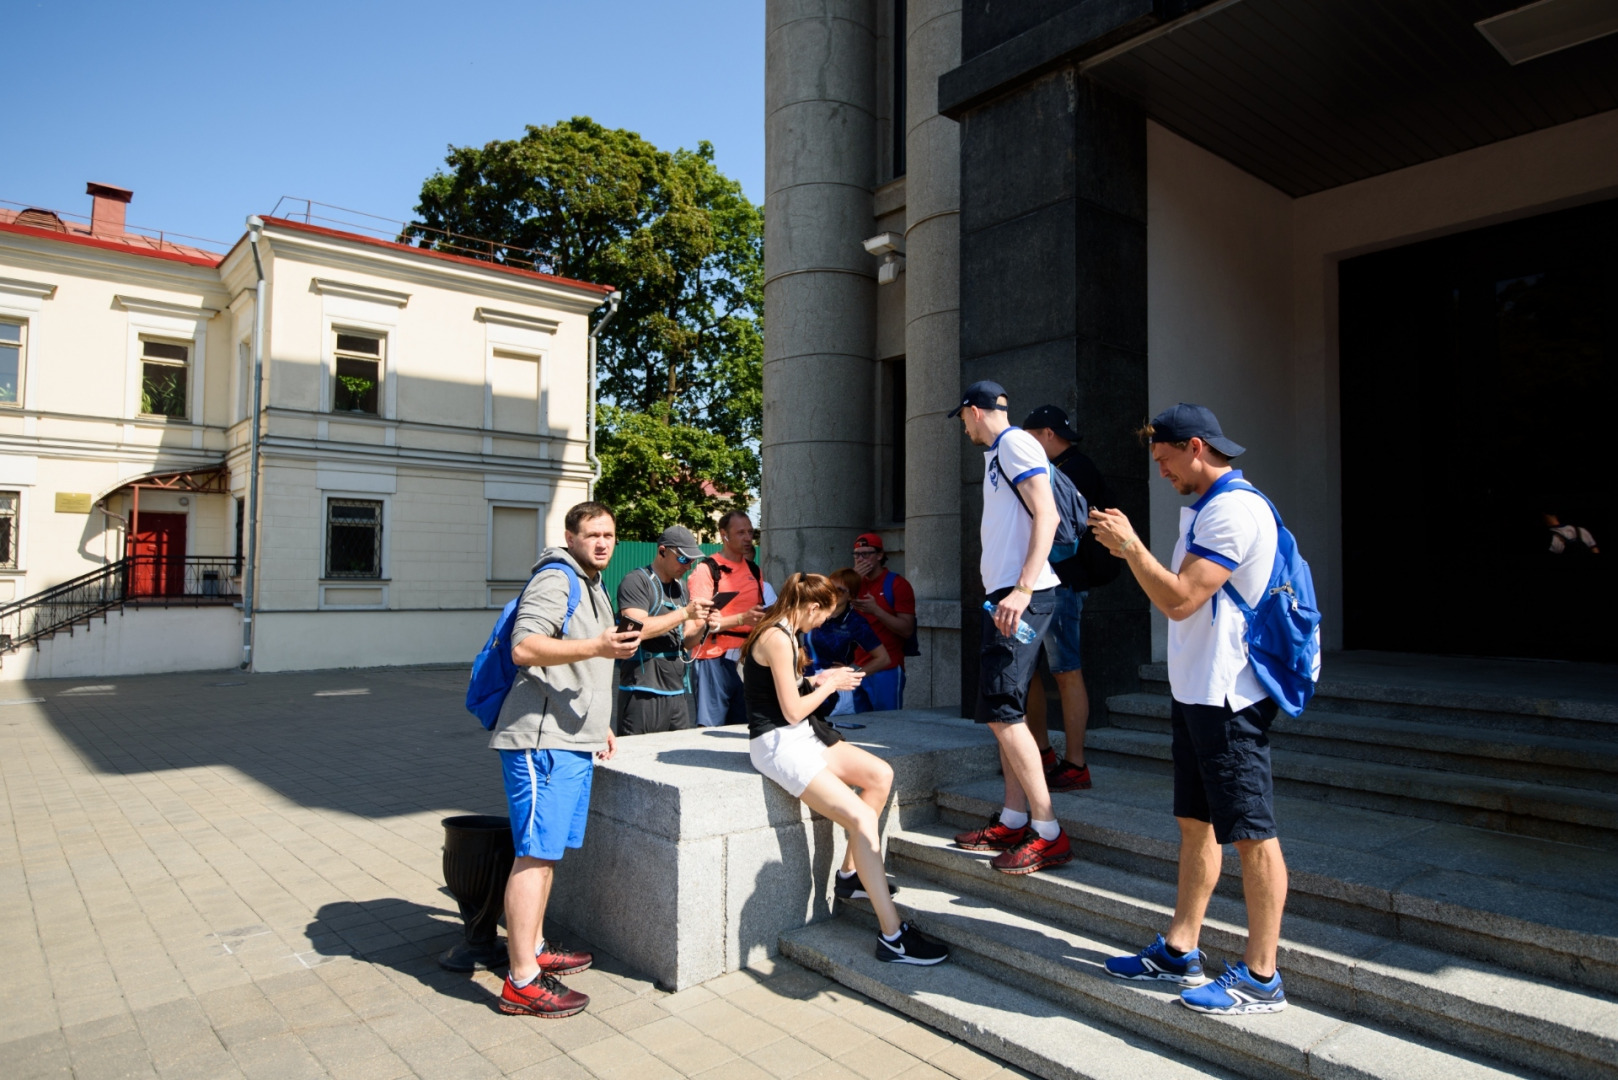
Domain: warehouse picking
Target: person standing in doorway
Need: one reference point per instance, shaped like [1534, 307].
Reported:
[1021, 587]
[564, 656]
[1049, 427]
[889, 604]
[1224, 792]
[654, 685]
[733, 577]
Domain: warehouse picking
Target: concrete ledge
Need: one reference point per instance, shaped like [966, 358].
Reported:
[693, 863]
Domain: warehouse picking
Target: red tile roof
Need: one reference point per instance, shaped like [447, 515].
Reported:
[321, 230]
[132, 243]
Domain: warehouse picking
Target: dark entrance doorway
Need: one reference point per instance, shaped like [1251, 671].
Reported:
[158, 551]
[1478, 373]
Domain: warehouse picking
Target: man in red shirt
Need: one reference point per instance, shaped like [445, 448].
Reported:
[889, 604]
[731, 571]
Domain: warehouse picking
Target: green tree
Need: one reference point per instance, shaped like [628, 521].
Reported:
[656, 473]
[684, 245]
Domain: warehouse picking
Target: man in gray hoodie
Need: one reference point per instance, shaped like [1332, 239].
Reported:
[555, 722]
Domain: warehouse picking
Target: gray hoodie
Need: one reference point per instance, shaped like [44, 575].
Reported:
[565, 706]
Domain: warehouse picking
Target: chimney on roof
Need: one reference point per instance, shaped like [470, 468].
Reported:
[107, 211]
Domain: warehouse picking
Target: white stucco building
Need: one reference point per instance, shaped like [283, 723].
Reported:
[422, 427]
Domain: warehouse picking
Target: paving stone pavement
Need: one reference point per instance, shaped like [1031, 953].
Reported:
[222, 875]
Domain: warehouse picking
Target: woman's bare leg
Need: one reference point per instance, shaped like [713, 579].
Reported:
[829, 797]
[864, 770]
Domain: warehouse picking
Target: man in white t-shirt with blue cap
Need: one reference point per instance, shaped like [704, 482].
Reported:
[1224, 792]
[1016, 534]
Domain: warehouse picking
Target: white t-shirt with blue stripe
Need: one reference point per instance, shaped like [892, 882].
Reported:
[1006, 526]
[1208, 662]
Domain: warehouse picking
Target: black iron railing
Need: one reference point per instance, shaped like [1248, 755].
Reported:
[154, 580]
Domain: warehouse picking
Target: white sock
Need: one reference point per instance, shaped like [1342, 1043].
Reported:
[846, 874]
[1013, 819]
[539, 947]
[520, 983]
[895, 935]
[1047, 830]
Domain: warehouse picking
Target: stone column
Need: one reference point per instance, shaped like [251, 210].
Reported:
[932, 350]
[819, 284]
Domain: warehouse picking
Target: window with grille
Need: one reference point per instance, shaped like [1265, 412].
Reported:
[358, 373]
[11, 343]
[163, 371]
[353, 538]
[8, 529]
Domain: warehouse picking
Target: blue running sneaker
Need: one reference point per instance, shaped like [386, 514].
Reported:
[1156, 962]
[1236, 992]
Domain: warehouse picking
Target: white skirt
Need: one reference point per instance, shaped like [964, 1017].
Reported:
[791, 756]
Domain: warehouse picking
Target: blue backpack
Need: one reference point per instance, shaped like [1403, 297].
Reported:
[1072, 512]
[493, 672]
[912, 645]
[1283, 631]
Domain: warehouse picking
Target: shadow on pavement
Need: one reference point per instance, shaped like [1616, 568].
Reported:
[375, 743]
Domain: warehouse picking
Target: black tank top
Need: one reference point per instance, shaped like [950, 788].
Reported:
[758, 691]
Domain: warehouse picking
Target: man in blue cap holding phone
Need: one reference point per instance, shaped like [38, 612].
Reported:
[1224, 792]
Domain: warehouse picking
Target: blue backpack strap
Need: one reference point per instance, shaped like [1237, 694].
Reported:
[887, 587]
[575, 593]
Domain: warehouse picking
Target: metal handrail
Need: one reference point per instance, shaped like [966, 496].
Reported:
[192, 580]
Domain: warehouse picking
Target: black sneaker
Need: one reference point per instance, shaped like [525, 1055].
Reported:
[850, 888]
[913, 947]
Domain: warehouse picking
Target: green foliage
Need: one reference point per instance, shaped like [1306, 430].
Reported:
[653, 473]
[683, 244]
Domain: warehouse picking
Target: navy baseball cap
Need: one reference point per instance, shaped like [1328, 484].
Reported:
[984, 394]
[1193, 422]
[1049, 416]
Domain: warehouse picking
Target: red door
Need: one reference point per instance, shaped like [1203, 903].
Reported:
[158, 550]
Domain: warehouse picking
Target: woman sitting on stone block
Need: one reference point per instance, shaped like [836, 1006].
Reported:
[797, 749]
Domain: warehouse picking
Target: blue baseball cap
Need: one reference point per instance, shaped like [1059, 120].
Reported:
[985, 394]
[1186, 421]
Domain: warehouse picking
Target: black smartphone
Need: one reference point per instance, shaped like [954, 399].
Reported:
[626, 624]
[721, 599]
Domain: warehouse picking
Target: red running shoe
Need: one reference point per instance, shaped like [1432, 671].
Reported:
[1047, 759]
[1033, 854]
[543, 997]
[558, 959]
[1068, 777]
[992, 837]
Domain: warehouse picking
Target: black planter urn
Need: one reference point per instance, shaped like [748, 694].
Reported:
[478, 854]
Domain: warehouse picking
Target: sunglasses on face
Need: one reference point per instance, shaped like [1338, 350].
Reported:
[683, 560]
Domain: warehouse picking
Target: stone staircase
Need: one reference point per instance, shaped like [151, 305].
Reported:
[1440, 923]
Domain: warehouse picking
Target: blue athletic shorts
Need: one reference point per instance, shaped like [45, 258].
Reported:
[881, 691]
[1222, 768]
[718, 687]
[548, 797]
[1062, 639]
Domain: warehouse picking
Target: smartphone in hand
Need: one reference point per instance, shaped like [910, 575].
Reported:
[627, 625]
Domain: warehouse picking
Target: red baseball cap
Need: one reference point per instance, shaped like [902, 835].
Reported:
[868, 540]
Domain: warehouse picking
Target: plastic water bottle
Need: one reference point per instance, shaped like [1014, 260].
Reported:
[1025, 633]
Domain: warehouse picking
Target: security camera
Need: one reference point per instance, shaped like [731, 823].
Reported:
[890, 247]
[886, 244]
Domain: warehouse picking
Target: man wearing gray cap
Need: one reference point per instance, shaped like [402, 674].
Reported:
[654, 684]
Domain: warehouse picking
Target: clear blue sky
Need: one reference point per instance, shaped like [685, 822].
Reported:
[212, 111]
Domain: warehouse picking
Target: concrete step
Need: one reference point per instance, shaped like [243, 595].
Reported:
[1570, 815]
[1512, 755]
[1533, 707]
[1534, 1023]
[1014, 1025]
[1529, 905]
[1064, 966]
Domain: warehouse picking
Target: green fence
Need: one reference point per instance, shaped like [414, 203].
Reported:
[632, 555]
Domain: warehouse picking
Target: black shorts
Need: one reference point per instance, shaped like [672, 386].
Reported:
[640, 713]
[1222, 768]
[1006, 665]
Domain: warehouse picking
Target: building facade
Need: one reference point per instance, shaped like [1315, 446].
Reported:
[1361, 237]
[422, 432]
